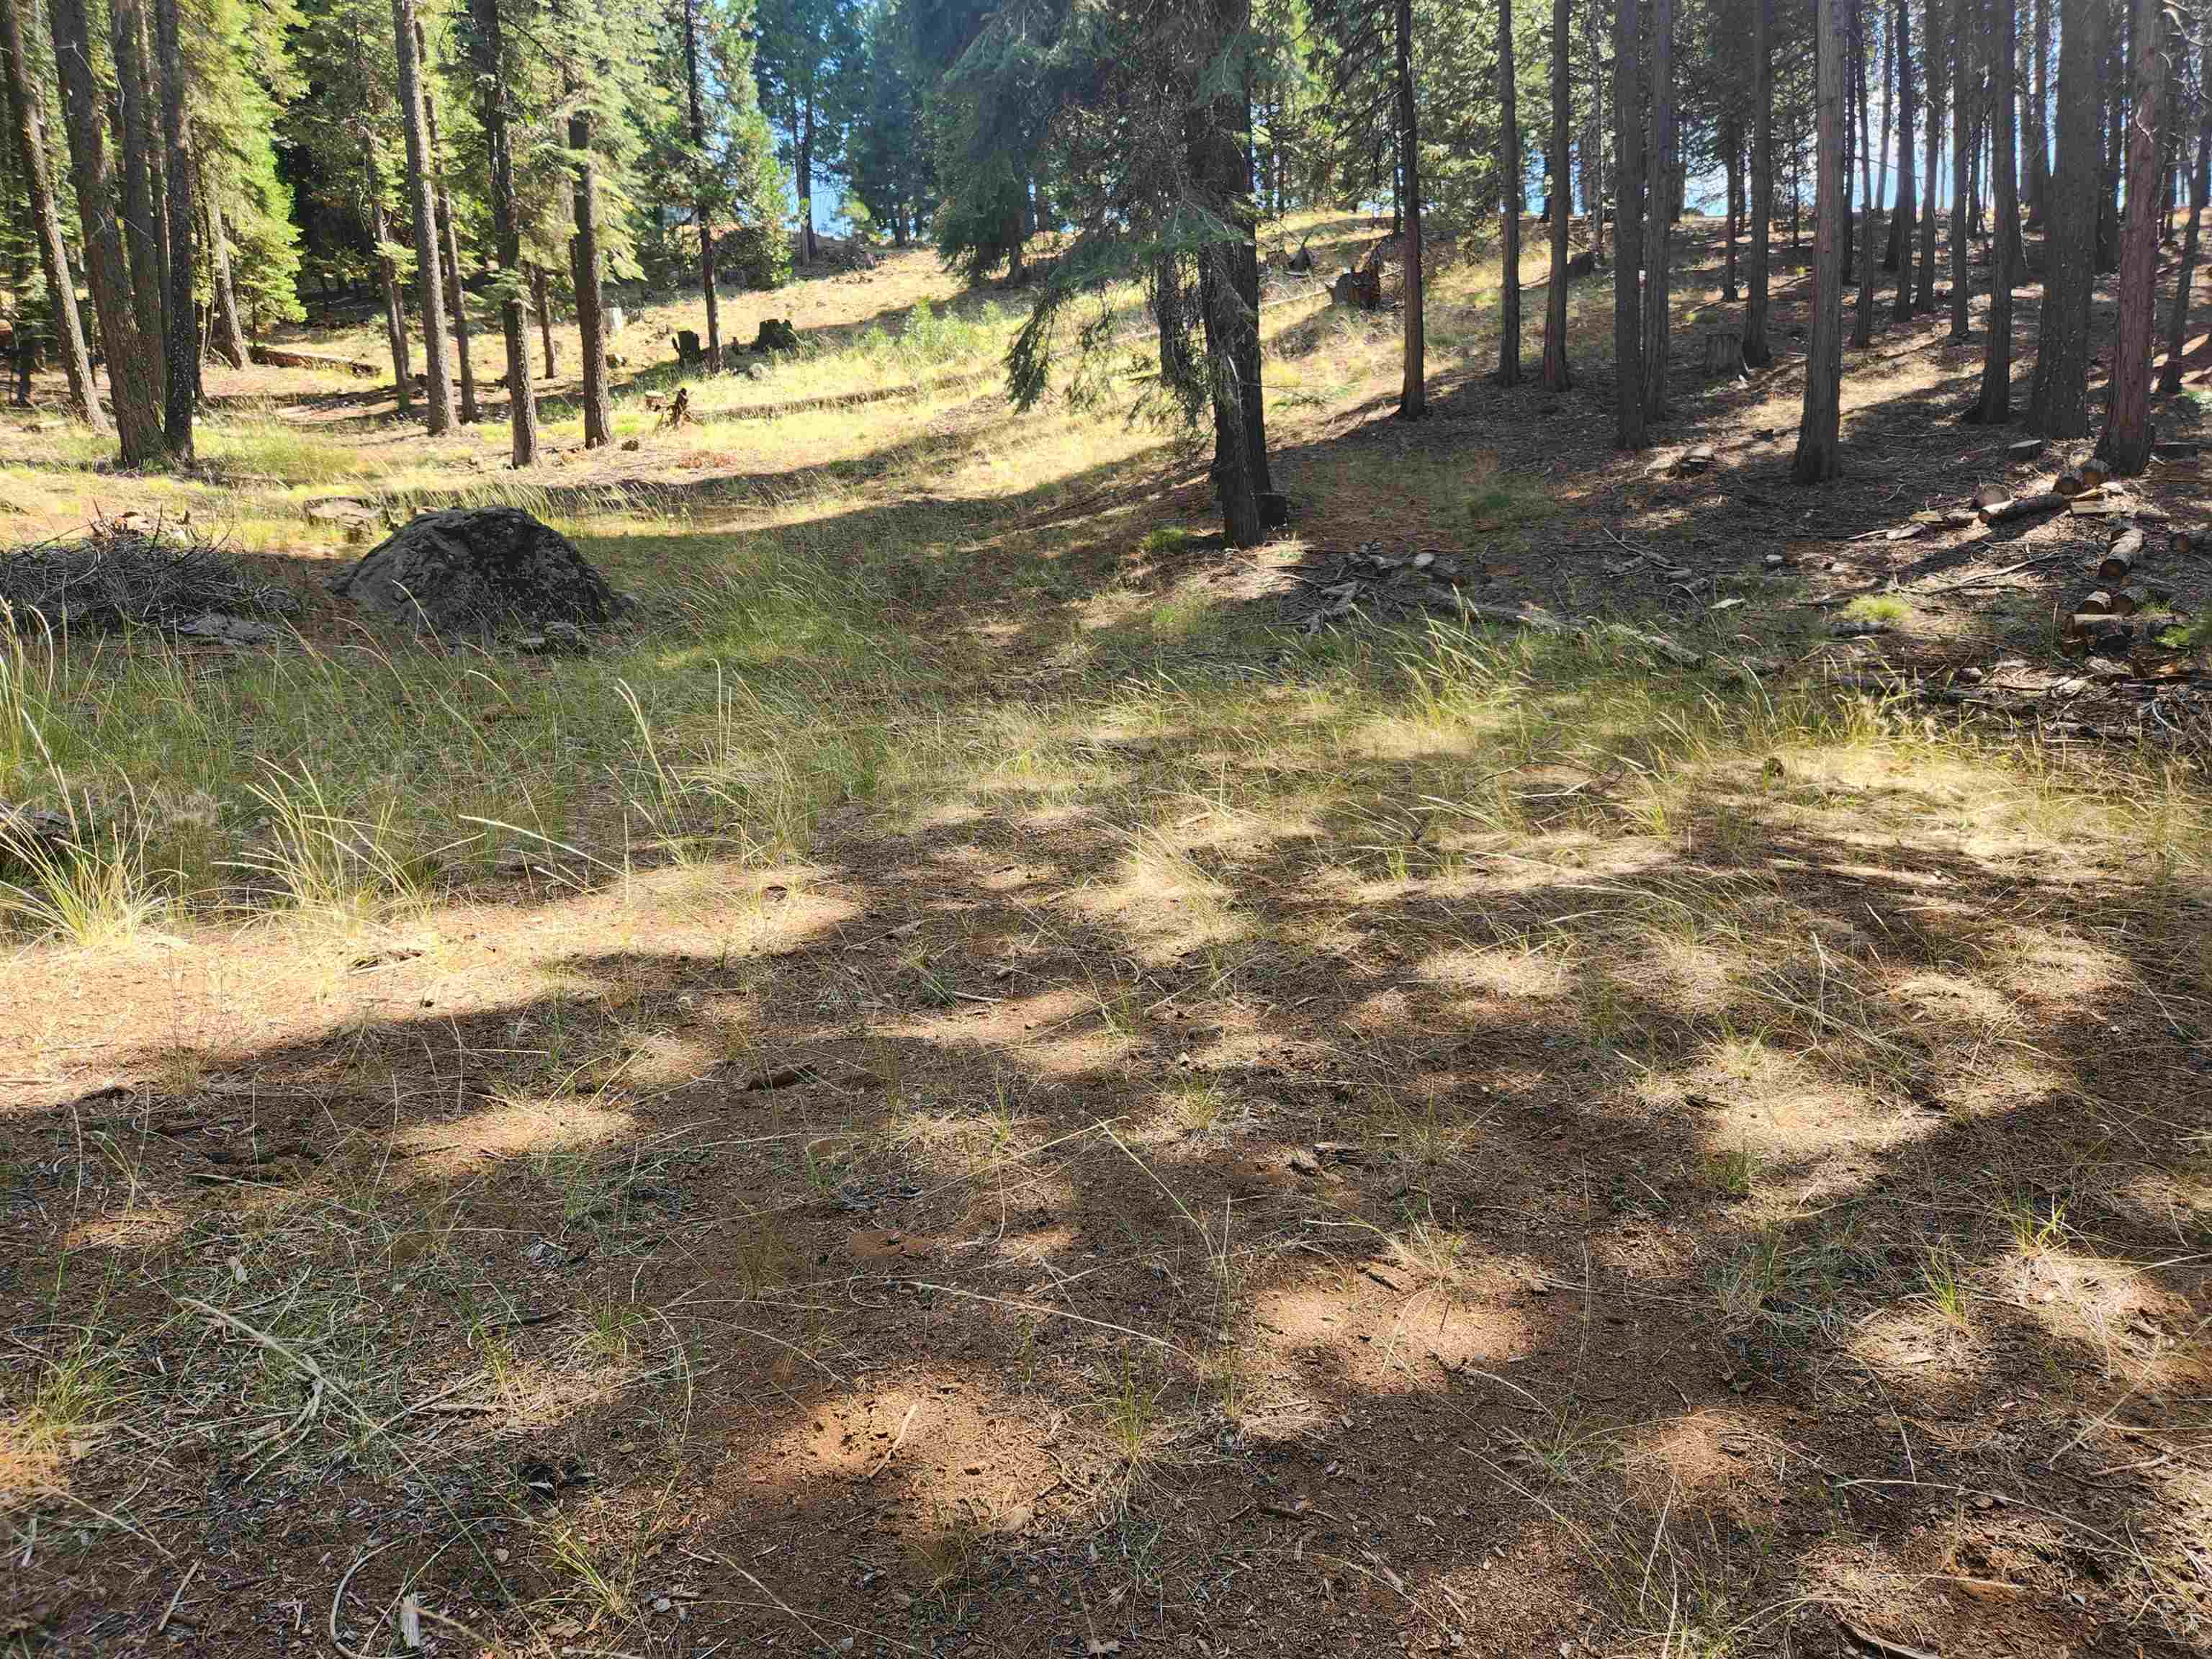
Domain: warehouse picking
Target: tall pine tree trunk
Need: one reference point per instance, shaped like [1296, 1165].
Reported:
[2058, 396]
[1757, 350]
[591, 310]
[135, 133]
[804, 160]
[226, 337]
[2116, 50]
[488, 49]
[456, 295]
[2126, 441]
[1996, 357]
[2200, 178]
[1901, 218]
[1818, 428]
[1962, 164]
[1659, 204]
[1555, 375]
[541, 299]
[2036, 186]
[1862, 317]
[134, 361]
[387, 273]
[1510, 173]
[1732, 143]
[696, 107]
[1628, 423]
[1413, 395]
[429, 285]
[181, 339]
[1932, 52]
[24, 120]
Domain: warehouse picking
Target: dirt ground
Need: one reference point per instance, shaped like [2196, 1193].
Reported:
[1363, 1201]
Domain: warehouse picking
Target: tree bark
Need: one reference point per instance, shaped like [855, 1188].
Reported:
[1904, 214]
[2058, 396]
[1732, 143]
[1932, 53]
[2126, 441]
[700, 212]
[1510, 171]
[429, 286]
[25, 118]
[591, 312]
[1757, 352]
[2037, 183]
[541, 299]
[805, 159]
[1555, 375]
[1863, 315]
[1819, 429]
[133, 360]
[2200, 180]
[1413, 395]
[226, 337]
[1659, 201]
[2117, 57]
[135, 130]
[1997, 356]
[1962, 146]
[387, 270]
[181, 339]
[1628, 423]
[489, 50]
[456, 295]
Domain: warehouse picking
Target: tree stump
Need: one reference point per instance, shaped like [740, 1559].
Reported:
[1724, 352]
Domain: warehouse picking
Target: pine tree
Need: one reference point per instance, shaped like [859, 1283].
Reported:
[2058, 398]
[2125, 443]
[1819, 430]
[2200, 180]
[1510, 186]
[429, 285]
[1757, 351]
[180, 338]
[804, 60]
[1659, 208]
[488, 52]
[1555, 373]
[1995, 406]
[26, 122]
[1628, 425]
[133, 359]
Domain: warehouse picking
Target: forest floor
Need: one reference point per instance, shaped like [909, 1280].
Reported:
[989, 1076]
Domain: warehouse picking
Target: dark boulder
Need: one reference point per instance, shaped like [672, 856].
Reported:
[480, 571]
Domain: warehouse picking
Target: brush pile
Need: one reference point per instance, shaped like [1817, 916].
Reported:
[135, 572]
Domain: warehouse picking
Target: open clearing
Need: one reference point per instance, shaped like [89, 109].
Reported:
[970, 1084]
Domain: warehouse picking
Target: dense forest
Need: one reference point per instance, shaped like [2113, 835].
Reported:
[221, 165]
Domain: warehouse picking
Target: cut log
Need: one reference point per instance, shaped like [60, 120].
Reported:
[1990, 495]
[2106, 633]
[2023, 507]
[280, 357]
[2098, 504]
[2130, 599]
[2026, 450]
[2099, 603]
[1724, 352]
[2069, 484]
[2094, 472]
[2177, 449]
[1695, 459]
[2192, 538]
[2119, 561]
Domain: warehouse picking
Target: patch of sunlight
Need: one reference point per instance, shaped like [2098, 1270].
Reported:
[509, 1127]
